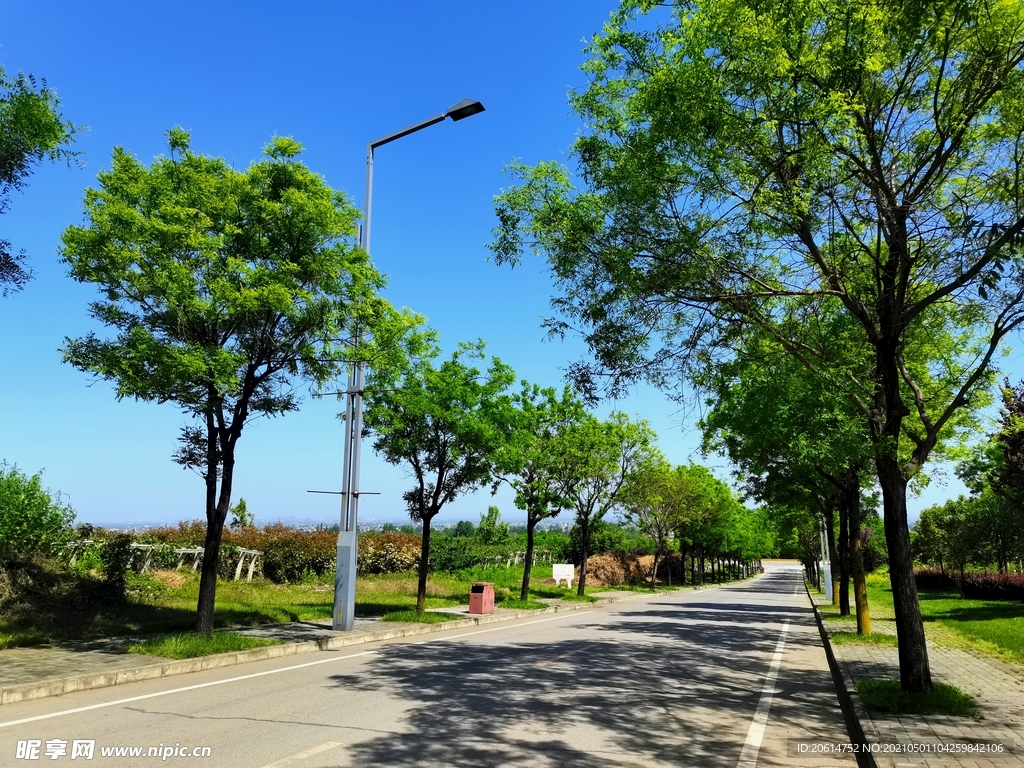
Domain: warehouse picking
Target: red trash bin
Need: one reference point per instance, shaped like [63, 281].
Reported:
[481, 597]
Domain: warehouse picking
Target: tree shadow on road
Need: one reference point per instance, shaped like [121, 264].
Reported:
[650, 690]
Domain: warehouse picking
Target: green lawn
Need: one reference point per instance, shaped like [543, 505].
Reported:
[75, 606]
[994, 627]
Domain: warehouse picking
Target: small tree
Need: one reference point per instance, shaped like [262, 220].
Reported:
[491, 529]
[593, 461]
[653, 502]
[528, 461]
[241, 517]
[445, 424]
[224, 287]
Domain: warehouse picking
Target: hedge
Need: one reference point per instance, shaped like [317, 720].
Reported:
[977, 586]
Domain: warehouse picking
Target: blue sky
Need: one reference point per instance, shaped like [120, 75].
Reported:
[333, 75]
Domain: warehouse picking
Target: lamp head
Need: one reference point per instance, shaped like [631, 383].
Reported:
[465, 108]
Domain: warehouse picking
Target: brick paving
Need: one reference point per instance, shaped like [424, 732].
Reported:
[997, 686]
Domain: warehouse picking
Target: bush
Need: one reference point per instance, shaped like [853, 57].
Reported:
[976, 586]
[288, 554]
[934, 579]
[994, 586]
[454, 553]
[31, 520]
[388, 552]
[116, 556]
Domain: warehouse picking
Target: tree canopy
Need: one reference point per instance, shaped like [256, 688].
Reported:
[32, 129]
[861, 153]
[224, 288]
[445, 423]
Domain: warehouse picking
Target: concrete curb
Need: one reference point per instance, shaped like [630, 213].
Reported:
[59, 686]
[849, 702]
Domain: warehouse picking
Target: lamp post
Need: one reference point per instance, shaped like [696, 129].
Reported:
[345, 569]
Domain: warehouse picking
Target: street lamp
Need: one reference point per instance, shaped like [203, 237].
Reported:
[345, 570]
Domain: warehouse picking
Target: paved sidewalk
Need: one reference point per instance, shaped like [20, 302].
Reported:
[997, 686]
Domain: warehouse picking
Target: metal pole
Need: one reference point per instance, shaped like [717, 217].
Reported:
[348, 537]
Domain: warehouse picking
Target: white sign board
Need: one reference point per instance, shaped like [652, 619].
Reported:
[563, 572]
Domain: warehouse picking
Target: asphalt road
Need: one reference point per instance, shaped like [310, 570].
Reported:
[709, 677]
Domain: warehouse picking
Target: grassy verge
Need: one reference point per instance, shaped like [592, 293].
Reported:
[187, 646]
[420, 618]
[852, 638]
[888, 696]
[21, 639]
[522, 605]
[992, 627]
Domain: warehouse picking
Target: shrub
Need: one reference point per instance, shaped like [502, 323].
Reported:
[388, 552]
[453, 553]
[32, 521]
[934, 579]
[994, 586]
[116, 555]
[288, 553]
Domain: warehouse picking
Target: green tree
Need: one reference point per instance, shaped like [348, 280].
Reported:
[655, 499]
[445, 424]
[464, 528]
[866, 153]
[528, 461]
[32, 129]
[241, 517]
[225, 288]
[491, 529]
[594, 459]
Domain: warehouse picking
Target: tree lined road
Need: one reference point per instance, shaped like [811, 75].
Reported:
[671, 680]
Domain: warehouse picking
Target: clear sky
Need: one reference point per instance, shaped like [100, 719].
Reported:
[333, 75]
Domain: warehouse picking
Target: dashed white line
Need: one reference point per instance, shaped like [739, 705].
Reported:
[748, 757]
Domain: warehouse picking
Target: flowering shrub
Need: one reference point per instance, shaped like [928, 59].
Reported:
[977, 586]
[388, 552]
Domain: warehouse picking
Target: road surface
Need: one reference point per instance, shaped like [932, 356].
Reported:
[708, 677]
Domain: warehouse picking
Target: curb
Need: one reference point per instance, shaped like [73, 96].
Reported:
[59, 686]
[853, 710]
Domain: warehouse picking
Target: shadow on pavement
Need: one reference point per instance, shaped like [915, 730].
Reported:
[649, 686]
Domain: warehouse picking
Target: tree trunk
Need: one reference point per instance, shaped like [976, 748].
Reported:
[421, 587]
[844, 558]
[531, 524]
[860, 587]
[830, 543]
[702, 566]
[585, 540]
[654, 570]
[216, 513]
[915, 673]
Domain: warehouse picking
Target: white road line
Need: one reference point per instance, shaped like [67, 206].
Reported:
[261, 674]
[748, 757]
[182, 690]
[302, 755]
[496, 629]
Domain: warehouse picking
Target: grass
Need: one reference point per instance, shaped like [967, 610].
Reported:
[991, 627]
[852, 638]
[523, 605]
[888, 696]
[421, 618]
[21, 639]
[574, 598]
[187, 646]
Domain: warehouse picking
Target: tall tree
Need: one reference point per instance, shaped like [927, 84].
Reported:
[446, 424]
[32, 129]
[528, 461]
[225, 289]
[593, 462]
[865, 152]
